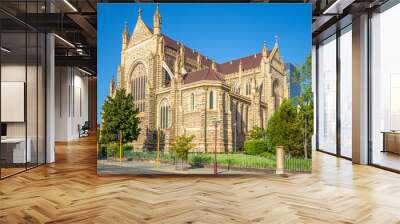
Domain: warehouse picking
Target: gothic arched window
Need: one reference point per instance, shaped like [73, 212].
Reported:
[138, 87]
[248, 88]
[211, 100]
[236, 88]
[164, 114]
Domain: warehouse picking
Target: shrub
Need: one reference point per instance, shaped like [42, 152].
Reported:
[269, 155]
[257, 133]
[127, 147]
[102, 151]
[199, 160]
[257, 146]
[180, 149]
[112, 149]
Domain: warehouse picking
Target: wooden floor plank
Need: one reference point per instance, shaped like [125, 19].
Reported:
[70, 191]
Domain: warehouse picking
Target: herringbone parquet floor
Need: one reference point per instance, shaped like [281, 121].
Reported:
[70, 191]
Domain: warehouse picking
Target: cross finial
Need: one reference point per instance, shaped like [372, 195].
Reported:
[140, 12]
[276, 38]
[265, 44]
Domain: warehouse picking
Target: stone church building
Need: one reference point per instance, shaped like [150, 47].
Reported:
[179, 90]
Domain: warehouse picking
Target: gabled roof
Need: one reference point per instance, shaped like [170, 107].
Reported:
[140, 32]
[189, 52]
[249, 62]
[204, 74]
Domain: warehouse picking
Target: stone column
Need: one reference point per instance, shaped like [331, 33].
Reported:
[280, 160]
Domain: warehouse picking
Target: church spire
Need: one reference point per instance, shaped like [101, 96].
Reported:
[125, 36]
[264, 49]
[157, 21]
[126, 27]
[112, 86]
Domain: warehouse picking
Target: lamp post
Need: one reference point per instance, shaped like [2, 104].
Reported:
[215, 148]
[120, 143]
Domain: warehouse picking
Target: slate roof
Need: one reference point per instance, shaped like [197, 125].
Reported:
[204, 74]
[190, 53]
[248, 62]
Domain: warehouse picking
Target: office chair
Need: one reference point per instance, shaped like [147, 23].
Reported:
[84, 130]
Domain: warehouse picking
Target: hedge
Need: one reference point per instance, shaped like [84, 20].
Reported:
[256, 146]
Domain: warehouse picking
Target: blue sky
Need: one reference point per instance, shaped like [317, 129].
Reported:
[220, 31]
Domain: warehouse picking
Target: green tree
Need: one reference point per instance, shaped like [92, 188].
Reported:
[284, 129]
[306, 118]
[118, 114]
[305, 105]
[303, 72]
[182, 146]
[257, 133]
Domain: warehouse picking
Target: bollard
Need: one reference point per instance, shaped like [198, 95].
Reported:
[280, 160]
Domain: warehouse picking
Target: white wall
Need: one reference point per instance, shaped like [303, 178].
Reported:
[15, 73]
[71, 102]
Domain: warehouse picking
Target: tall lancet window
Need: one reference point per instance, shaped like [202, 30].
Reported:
[248, 88]
[138, 87]
[211, 100]
[192, 102]
[164, 114]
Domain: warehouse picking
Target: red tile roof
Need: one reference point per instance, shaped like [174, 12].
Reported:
[204, 74]
[190, 53]
[171, 43]
[249, 62]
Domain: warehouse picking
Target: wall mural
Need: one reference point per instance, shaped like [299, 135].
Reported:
[184, 108]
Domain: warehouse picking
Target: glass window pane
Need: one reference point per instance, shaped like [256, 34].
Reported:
[211, 100]
[31, 97]
[14, 152]
[385, 89]
[327, 95]
[346, 92]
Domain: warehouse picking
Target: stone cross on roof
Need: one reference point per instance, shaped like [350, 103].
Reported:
[139, 11]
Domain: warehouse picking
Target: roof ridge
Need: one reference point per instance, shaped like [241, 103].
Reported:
[237, 59]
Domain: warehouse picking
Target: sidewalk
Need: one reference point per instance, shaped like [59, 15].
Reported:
[149, 167]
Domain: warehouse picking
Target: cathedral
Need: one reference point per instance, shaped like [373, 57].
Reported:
[179, 91]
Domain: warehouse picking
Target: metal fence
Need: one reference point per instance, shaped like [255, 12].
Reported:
[236, 160]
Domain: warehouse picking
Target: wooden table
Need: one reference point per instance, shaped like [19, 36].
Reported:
[13, 150]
